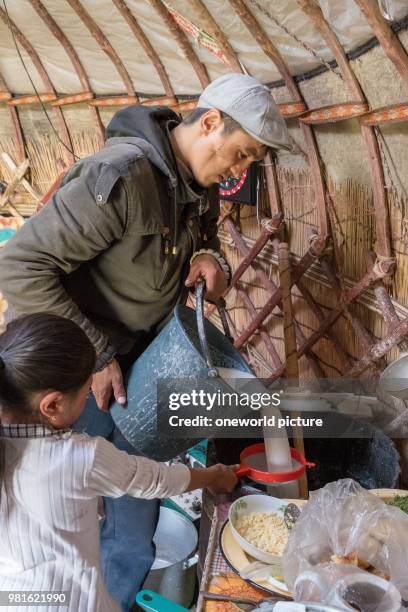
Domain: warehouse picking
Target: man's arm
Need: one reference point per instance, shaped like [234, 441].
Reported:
[72, 229]
[208, 262]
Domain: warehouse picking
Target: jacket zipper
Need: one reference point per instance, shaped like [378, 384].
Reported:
[165, 269]
[191, 237]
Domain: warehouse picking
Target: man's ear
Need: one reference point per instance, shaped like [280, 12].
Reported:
[211, 121]
[50, 404]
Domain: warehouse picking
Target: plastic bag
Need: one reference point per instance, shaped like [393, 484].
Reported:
[342, 525]
[348, 588]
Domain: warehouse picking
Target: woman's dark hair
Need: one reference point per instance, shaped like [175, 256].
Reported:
[230, 125]
[40, 352]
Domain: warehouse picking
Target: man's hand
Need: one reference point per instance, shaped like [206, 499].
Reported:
[206, 267]
[105, 382]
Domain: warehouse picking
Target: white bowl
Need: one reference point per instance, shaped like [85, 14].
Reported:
[255, 503]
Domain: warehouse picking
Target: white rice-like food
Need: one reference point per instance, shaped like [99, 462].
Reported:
[264, 530]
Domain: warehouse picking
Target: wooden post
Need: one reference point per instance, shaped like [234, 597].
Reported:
[289, 335]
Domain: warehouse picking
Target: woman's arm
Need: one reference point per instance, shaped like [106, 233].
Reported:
[114, 473]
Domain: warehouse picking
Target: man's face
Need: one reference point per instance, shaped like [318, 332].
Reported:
[215, 155]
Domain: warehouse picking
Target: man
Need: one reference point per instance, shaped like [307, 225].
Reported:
[124, 237]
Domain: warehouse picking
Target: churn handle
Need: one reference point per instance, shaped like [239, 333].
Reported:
[200, 290]
[220, 304]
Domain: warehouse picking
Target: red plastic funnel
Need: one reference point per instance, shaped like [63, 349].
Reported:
[268, 477]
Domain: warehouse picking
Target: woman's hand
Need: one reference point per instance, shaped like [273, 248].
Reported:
[106, 383]
[217, 479]
[224, 479]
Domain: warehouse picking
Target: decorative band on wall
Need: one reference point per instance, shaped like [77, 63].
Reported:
[114, 101]
[185, 106]
[335, 112]
[23, 100]
[73, 99]
[159, 102]
[386, 114]
[288, 109]
[128, 100]
[292, 109]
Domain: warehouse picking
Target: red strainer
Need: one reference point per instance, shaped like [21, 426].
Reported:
[253, 459]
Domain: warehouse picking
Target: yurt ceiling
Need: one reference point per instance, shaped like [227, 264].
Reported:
[167, 51]
[282, 21]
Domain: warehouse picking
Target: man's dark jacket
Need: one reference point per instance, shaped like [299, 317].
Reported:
[101, 251]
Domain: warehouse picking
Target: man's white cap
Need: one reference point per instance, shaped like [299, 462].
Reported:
[250, 103]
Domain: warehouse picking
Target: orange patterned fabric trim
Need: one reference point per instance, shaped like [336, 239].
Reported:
[292, 109]
[386, 114]
[73, 99]
[289, 109]
[159, 102]
[5, 95]
[128, 100]
[114, 101]
[22, 100]
[337, 112]
[185, 106]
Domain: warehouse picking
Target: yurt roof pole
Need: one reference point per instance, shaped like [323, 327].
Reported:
[383, 231]
[314, 12]
[62, 127]
[76, 62]
[314, 160]
[15, 121]
[318, 243]
[146, 45]
[209, 24]
[104, 44]
[182, 41]
[386, 37]
[320, 192]
[380, 196]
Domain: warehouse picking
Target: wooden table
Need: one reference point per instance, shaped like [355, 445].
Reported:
[218, 577]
